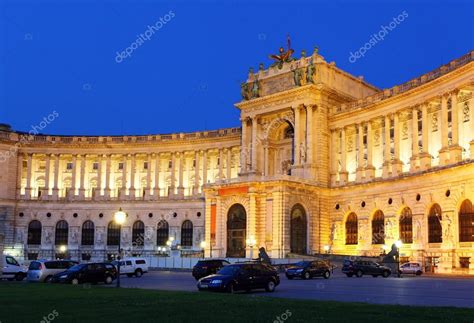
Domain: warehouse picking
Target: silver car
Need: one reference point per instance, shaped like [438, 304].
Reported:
[43, 270]
[411, 268]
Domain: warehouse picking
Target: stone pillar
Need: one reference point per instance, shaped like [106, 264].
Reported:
[309, 134]
[196, 173]
[221, 164]
[148, 177]
[414, 140]
[387, 148]
[266, 166]
[56, 178]
[444, 151]
[297, 136]
[19, 178]
[425, 156]
[98, 191]
[173, 175]
[74, 187]
[333, 156]
[245, 152]
[133, 171]
[343, 172]
[360, 152]
[396, 163]
[370, 169]
[229, 164]
[47, 176]
[156, 188]
[252, 225]
[82, 190]
[108, 170]
[29, 174]
[471, 119]
[123, 191]
[455, 150]
[182, 160]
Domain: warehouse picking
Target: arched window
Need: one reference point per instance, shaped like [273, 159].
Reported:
[61, 234]
[138, 233]
[87, 233]
[298, 230]
[378, 228]
[406, 226]
[466, 222]
[352, 229]
[162, 233]
[187, 234]
[113, 234]
[435, 231]
[34, 232]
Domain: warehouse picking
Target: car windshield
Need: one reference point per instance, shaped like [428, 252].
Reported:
[76, 267]
[302, 263]
[229, 270]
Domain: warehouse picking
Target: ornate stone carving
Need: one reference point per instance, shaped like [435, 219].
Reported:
[404, 130]
[434, 122]
[465, 111]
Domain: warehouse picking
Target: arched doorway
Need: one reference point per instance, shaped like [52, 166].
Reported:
[466, 222]
[435, 230]
[236, 231]
[298, 230]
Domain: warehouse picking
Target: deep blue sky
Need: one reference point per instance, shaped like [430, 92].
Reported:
[60, 56]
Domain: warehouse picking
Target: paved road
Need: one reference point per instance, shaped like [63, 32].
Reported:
[417, 291]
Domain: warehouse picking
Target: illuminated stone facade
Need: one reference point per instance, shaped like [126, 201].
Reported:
[323, 162]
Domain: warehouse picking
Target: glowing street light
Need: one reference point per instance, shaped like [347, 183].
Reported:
[326, 249]
[119, 218]
[63, 248]
[203, 246]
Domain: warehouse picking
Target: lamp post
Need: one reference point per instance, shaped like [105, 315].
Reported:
[119, 218]
[203, 246]
[398, 244]
[251, 242]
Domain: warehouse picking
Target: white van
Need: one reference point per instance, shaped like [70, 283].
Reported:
[132, 266]
[11, 269]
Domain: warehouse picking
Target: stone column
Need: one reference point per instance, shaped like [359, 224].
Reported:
[98, 191]
[455, 150]
[444, 151]
[82, 190]
[414, 140]
[266, 166]
[343, 172]
[133, 171]
[425, 156]
[251, 224]
[333, 156]
[148, 177]
[297, 136]
[173, 175]
[370, 169]
[221, 165]
[45, 195]
[387, 148]
[56, 178]
[182, 160]
[196, 172]
[19, 178]
[471, 119]
[229, 164]
[29, 174]
[74, 187]
[396, 163]
[360, 152]
[156, 188]
[204, 167]
[254, 143]
[309, 134]
[108, 170]
[123, 191]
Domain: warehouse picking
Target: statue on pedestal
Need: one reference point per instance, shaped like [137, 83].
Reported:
[283, 56]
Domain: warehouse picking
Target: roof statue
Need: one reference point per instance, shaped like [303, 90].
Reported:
[283, 56]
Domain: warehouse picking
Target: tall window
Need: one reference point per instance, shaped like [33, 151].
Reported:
[138, 233]
[466, 222]
[113, 234]
[34, 232]
[87, 233]
[187, 234]
[61, 234]
[162, 233]
[378, 228]
[406, 226]
[435, 231]
[351, 229]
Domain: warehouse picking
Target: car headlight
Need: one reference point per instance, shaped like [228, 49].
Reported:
[299, 270]
[63, 276]
[216, 282]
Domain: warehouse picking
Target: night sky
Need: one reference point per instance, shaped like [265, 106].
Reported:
[184, 74]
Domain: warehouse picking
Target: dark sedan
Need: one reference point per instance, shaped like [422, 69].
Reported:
[208, 267]
[308, 270]
[364, 267]
[244, 276]
[87, 273]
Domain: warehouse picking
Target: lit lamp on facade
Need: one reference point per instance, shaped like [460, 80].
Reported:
[119, 218]
[203, 246]
[326, 249]
[251, 242]
[62, 248]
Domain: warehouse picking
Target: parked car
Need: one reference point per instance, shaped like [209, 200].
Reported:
[411, 268]
[44, 270]
[132, 266]
[242, 276]
[208, 267]
[87, 273]
[364, 267]
[12, 269]
[308, 270]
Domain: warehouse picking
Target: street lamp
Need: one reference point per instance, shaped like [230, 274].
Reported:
[119, 218]
[203, 246]
[251, 242]
[398, 244]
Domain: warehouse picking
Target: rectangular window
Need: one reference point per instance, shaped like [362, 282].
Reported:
[95, 166]
[120, 166]
[464, 262]
[69, 166]
[170, 164]
[145, 165]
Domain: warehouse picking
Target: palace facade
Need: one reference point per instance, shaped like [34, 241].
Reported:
[323, 162]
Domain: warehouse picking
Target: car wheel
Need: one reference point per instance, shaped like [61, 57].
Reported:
[418, 273]
[359, 273]
[75, 281]
[270, 286]
[19, 277]
[326, 274]
[108, 280]
[306, 275]
[138, 273]
[230, 288]
[349, 275]
[385, 274]
[48, 279]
